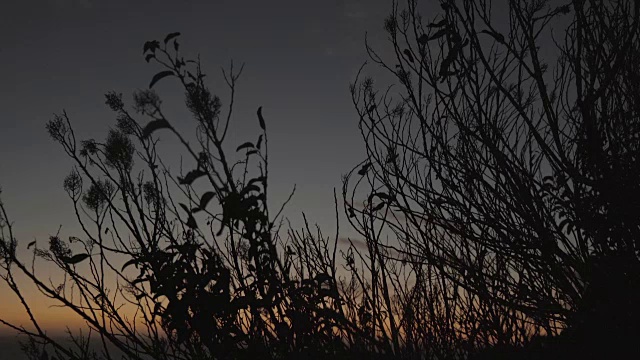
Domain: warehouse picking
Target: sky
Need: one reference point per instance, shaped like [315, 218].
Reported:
[300, 57]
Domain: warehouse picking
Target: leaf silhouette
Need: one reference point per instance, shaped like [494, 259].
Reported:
[171, 36]
[249, 188]
[259, 143]
[261, 119]
[191, 222]
[204, 200]
[378, 207]
[423, 39]
[248, 144]
[191, 177]
[149, 57]
[407, 53]
[185, 208]
[499, 37]
[128, 263]
[363, 169]
[261, 179]
[451, 57]
[439, 34]
[157, 309]
[155, 125]
[157, 77]
[381, 195]
[440, 23]
[150, 46]
[75, 258]
[31, 244]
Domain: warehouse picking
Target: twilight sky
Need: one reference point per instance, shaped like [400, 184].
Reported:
[65, 54]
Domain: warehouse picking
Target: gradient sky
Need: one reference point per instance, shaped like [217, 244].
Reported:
[65, 54]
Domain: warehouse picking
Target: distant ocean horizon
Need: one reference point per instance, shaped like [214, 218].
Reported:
[10, 346]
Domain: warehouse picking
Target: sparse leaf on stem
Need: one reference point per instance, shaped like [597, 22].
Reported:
[159, 76]
[246, 145]
[171, 36]
[75, 258]
[191, 177]
[261, 119]
[155, 125]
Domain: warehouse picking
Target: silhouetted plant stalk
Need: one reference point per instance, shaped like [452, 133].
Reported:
[195, 258]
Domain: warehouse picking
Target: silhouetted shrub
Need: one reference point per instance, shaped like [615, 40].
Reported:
[497, 207]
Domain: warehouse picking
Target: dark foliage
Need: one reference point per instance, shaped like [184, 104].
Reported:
[498, 207]
[508, 157]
